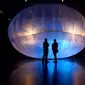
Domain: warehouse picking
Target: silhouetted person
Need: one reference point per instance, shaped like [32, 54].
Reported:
[55, 48]
[45, 49]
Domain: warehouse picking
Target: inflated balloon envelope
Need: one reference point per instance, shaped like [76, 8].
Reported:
[31, 26]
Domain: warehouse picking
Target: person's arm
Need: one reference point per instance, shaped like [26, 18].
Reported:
[48, 45]
[52, 46]
[57, 45]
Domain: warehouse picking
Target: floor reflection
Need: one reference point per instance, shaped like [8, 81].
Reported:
[63, 72]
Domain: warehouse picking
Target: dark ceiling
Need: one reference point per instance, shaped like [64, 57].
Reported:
[11, 7]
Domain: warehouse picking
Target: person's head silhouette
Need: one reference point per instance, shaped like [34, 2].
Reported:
[54, 40]
[45, 39]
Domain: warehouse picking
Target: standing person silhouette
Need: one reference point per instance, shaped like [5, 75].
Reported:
[45, 49]
[55, 48]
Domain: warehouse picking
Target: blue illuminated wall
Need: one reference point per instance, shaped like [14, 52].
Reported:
[32, 25]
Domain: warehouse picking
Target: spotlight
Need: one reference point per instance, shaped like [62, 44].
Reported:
[1, 11]
[25, 0]
[9, 19]
[62, 0]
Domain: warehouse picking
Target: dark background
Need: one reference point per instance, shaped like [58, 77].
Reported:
[10, 8]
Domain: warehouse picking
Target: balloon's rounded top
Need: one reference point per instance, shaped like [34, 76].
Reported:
[32, 25]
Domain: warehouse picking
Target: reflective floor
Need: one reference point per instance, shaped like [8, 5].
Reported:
[64, 72]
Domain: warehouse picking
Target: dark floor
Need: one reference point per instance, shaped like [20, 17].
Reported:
[64, 72]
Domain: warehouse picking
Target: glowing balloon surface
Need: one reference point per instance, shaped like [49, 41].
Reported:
[31, 25]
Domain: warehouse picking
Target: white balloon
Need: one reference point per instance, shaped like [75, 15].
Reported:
[30, 26]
